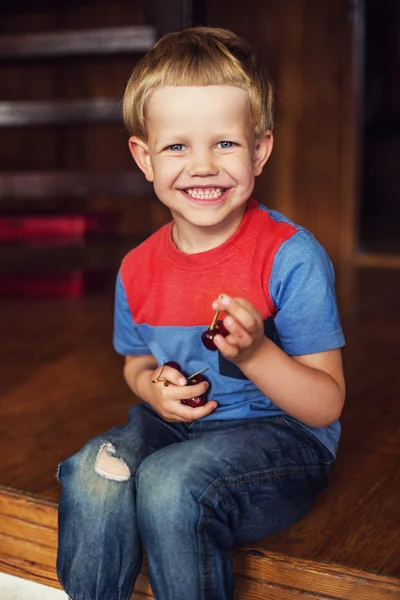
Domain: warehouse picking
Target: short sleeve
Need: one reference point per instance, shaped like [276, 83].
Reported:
[302, 286]
[127, 340]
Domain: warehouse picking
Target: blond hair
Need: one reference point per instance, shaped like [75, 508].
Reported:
[199, 56]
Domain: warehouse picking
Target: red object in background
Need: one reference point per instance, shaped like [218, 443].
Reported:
[68, 284]
[56, 228]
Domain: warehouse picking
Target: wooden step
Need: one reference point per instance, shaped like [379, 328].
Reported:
[67, 112]
[28, 541]
[93, 256]
[72, 184]
[110, 40]
[346, 547]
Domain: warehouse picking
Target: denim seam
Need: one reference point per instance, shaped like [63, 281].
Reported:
[250, 479]
[293, 471]
[205, 592]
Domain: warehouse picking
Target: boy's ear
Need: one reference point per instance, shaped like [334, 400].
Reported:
[140, 153]
[262, 151]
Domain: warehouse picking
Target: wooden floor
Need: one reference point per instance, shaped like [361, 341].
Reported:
[61, 383]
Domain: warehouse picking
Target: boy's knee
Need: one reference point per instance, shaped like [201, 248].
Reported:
[163, 489]
[110, 466]
[96, 461]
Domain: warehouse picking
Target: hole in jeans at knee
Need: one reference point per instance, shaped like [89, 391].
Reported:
[109, 466]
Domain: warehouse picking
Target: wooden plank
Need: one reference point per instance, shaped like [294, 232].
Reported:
[173, 15]
[25, 569]
[354, 523]
[28, 549]
[37, 185]
[28, 536]
[250, 589]
[93, 110]
[111, 40]
[372, 260]
[92, 256]
[294, 576]
[32, 508]
[351, 57]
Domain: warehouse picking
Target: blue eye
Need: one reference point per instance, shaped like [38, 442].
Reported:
[226, 144]
[175, 147]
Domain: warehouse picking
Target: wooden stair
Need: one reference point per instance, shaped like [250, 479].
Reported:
[28, 541]
[346, 547]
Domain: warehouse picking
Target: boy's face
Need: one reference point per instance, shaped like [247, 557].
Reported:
[201, 153]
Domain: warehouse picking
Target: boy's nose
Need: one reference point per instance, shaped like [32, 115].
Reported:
[202, 165]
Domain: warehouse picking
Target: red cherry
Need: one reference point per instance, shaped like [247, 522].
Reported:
[222, 330]
[207, 336]
[194, 402]
[173, 364]
[197, 400]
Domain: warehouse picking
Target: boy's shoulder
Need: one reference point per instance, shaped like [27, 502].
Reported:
[287, 230]
[278, 220]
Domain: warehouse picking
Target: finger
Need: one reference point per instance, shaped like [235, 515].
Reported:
[191, 391]
[240, 309]
[227, 346]
[189, 414]
[174, 376]
[167, 375]
[237, 334]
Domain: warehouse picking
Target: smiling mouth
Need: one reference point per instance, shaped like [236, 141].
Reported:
[211, 193]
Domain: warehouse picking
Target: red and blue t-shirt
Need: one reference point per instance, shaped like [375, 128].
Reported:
[163, 304]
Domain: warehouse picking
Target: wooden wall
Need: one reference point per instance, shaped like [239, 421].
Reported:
[306, 45]
[97, 147]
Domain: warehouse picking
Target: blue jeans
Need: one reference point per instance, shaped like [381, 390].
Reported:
[185, 493]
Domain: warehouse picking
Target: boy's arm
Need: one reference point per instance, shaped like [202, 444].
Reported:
[137, 371]
[310, 387]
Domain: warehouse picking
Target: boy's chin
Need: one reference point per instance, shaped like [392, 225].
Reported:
[207, 217]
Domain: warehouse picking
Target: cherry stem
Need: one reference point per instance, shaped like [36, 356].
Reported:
[198, 373]
[159, 375]
[166, 383]
[214, 320]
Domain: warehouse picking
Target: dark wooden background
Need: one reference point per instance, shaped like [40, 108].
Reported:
[306, 46]
[314, 50]
[334, 63]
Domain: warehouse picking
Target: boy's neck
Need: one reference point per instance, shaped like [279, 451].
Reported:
[192, 239]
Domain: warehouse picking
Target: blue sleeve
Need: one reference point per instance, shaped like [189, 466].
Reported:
[302, 286]
[127, 340]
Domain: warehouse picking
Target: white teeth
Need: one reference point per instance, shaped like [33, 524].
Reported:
[205, 193]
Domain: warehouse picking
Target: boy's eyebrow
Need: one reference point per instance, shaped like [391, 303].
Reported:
[230, 134]
[181, 138]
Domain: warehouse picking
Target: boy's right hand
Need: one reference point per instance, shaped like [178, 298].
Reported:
[166, 399]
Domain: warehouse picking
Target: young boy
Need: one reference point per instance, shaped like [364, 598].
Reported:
[187, 483]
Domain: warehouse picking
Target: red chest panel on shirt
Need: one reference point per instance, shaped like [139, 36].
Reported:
[163, 290]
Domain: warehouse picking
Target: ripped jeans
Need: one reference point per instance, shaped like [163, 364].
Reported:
[185, 493]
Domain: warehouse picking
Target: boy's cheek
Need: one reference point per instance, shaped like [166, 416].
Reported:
[241, 167]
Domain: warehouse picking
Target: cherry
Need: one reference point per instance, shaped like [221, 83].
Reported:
[217, 327]
[173, 364]
[197, 400]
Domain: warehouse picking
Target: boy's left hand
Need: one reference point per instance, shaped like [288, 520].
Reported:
[245, 326]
